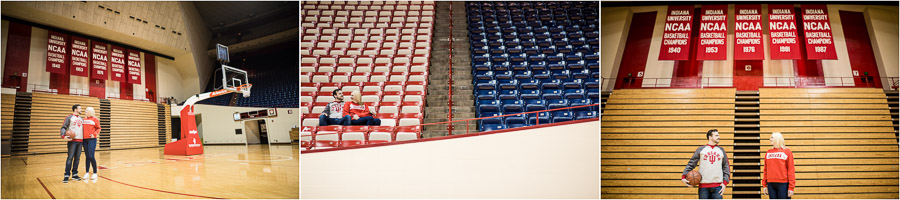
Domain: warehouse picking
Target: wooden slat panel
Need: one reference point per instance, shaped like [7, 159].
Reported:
[667, 112]
[47, 114]
[670, 106]
[824, 106]
[668, 124]
[667, 130]
[662, 149]
[654, 190]
[664, 142]
[846, 175]
[133, 124]
[653, 196]
[655, 162]
[671, 96]
[842, 155]
[825, 112]
[827, 129]
[668, 118]
[826, 123]
[822, 96]
[7, 110]
[766, 147]
[676, 91]
[822, 117]
[672, 136]
[821, 101]
[668, 101]
[686, 156]
[168, 123]
[793, 136]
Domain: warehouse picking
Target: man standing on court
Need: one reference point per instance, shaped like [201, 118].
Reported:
[72, 123]
[713, 167]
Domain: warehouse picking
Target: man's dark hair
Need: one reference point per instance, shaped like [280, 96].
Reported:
[335, 92]
[709, 133]
[75, 107]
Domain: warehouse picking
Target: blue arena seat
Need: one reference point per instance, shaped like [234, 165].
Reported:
[517, 119]
[508, 94]
[591, 83]
[535, 105]
[488, 106]
[542, 118]
[513, 106]
[530, 94]
[486, 84]
[593, 93]
[511, 84]
[529, 84]
[502, 75]
[580, 102]
[492, 127]
[561, 116]
[574, 93]
[497, 120]
[557, 103]
[484, 75]
[573, 84]
[551, 84]
[522, 74]
[486, 95]
[551, 94]
[585, 115]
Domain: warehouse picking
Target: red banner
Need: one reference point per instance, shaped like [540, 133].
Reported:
[817, 32]
[748, 32]
[57, 53]
[677, 33]
[117, 64]
[134, 66]
[713, 33]
[80, 58]
[783, 32]
[99, 60]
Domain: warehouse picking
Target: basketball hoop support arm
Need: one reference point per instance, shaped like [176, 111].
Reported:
[188, 143]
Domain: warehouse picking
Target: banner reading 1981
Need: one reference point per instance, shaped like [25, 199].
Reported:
[677, 33]
[817, 30]
[117, 64]
[783, 32]
[713, 32]
[748, 32]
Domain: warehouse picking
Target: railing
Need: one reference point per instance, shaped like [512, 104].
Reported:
[37, 88]
[450, 76]
[468, 121]
[758, 81]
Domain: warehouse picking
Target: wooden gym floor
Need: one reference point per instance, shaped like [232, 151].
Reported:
[223, 171]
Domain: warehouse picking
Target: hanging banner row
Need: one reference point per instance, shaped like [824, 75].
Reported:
[92, 59]
[784, 42]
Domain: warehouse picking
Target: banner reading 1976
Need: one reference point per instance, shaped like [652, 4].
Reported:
[677, 33]
[817, 32]
[783, 32]
[748, 32]
[99, 60]
[713, 33]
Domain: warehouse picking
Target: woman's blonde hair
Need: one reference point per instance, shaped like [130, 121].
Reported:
[357, 97]
[778, 140]
[89, 111]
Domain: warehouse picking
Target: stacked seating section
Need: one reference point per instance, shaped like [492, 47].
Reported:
[274, 82]
[650, 134]
[531, 56]
[380, 48]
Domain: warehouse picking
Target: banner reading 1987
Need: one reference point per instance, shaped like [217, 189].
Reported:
[783, 32]
[748, 32]
[817, 32]
[677, 33]
[713, 32]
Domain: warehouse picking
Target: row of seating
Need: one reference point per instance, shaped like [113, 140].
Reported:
[544, 75]
[516, 106]
[367, 5]
[523, 120]
[543, 83]
[506, 6]
[537, 94]
[324, 75]
[324, 137]
[387, 119]
[370, 86]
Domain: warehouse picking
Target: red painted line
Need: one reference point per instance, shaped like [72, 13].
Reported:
[45, 188]
[157, 190]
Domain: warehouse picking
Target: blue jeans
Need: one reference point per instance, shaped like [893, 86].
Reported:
[710, 193]
[368, 121]
[90, 145]
[74, 154]
[778, 190]
[325, 121]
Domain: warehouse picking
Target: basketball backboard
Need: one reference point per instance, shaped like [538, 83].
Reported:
[232, 79]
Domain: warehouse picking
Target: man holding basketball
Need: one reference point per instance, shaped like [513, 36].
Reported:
[72, 132]
[713, 167]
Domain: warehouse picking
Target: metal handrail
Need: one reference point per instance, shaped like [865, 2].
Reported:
[792, 82]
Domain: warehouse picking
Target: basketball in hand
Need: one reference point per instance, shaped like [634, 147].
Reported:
[71, 134]
[693, 178]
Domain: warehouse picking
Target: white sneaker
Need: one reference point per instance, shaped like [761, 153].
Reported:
[86, 175]
[94, 177]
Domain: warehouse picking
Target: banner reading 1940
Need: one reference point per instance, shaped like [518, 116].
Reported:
[748, 32]
[817, 30]
[57, 53]
[80, 58]
[783, 32]
[677, 33]
[713, 32]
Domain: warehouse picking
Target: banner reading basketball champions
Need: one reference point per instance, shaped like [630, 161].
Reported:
[713, 31]
[677, 33]
[748, 32]
[80, 58]
[783, 32]
[134, 66]
[817, 29]
[99, 59]
[117, 64]
[57, 53]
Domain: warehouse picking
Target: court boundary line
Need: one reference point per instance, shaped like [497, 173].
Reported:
[163, 191]
[45, 188]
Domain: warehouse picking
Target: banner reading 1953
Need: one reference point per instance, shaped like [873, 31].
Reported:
[713, 33]
[817, 30]
[677, 33]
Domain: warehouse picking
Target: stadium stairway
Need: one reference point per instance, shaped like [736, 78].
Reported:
[892, 99]
[604, 96]
[746, 167]
[438, 81]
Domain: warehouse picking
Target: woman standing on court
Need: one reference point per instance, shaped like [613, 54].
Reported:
[778, 172]
[91, 131]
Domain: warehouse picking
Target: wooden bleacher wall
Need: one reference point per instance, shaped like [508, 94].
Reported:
[842, 139]
[7, 111]
[648, 136]
[134, 124]
[47, 114]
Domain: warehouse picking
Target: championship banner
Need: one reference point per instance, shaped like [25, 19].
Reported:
[57, 53]
[713, 33]
[748, 32]
[117, 64]
[677, 34]
[783, 33]
[134, 66]
[80, 58]
[817, 30]
[99, 60]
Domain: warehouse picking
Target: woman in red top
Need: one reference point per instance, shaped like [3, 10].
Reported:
[778, 172]
[359, 112]
[91, 132]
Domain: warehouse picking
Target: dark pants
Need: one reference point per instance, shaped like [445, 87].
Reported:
[710, 193]
[325, 121]
[90, 145]
[74, 152]
[368, 121]
[778, 190]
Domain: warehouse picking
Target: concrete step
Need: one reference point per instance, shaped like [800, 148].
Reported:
[455, 117]
[430, 134]
[456, 126]
[456, 109]
[443, 97]
[456, 86]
